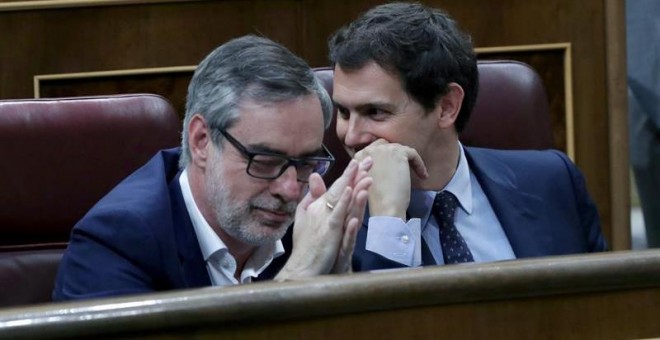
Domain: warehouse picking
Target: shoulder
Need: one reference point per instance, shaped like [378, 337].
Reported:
[125, 243]
[145, 191]
[526, 168]
[517, 156]
[139, 208]
[535, 161]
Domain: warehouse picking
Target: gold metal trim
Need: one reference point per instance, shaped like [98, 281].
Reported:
[522, 48]
[568, 81]
[56, 4]
[565, 47]
[116, 73]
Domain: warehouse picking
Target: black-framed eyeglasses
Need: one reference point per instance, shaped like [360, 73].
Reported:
[266, 165]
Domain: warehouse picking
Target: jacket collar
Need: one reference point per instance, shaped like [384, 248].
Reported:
[516, 209]
[193, 267]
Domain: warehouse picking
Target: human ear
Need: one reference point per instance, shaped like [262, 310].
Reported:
[450, 105]
[199, 141]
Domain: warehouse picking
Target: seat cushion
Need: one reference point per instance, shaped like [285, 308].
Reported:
[27, 273]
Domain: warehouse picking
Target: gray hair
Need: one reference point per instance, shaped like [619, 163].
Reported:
[246, 68]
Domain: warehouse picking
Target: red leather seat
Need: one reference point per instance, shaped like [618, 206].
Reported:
[512, 109]
[512, 112]
[61, 156]
[27, 273]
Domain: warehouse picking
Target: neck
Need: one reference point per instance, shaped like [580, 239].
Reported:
[239, 250]
[441, 163]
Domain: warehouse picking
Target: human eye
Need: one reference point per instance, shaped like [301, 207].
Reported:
[266, 164]
[266, 161]
[376, 113]
[309, 166]
[343, 112]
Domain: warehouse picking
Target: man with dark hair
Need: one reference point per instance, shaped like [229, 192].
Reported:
[405, 82]
[213, 212]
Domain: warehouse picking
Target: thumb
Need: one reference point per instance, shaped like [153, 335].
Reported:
[316, 190]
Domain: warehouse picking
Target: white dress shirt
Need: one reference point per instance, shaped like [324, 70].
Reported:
[220, 264]
[400, 241]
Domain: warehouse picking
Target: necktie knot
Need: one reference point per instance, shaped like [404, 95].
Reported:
[454, 248]
[445, 205]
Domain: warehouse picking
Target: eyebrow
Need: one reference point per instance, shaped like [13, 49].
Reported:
[263, 148]
[373, 105]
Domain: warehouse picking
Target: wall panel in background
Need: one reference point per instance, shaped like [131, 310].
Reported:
[67, 36]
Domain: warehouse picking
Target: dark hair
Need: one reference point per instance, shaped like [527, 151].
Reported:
[423, 45]
[247, 68]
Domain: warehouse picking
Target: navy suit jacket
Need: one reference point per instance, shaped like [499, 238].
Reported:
[139, 238]
[539, 197]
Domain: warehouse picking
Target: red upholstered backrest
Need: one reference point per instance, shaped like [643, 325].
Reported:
[62, 155]
[512, 112]
[512, 109]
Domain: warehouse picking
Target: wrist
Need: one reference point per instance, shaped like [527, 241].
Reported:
[389, 212]
[298, 267]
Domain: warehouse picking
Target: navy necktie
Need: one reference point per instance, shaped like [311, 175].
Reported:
[454, 248]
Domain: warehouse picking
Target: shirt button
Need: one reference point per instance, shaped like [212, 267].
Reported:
[405, 239]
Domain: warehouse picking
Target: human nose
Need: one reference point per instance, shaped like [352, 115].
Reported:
[352, 132]
[287, 185]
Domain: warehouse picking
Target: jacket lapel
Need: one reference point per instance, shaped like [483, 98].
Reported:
[517, 210]
[193, 267]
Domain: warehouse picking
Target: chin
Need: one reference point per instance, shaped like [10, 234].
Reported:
[264, 233]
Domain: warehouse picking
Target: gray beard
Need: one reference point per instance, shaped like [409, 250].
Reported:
[236, 218]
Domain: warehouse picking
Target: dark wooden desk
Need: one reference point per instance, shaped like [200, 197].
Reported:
[602, 296]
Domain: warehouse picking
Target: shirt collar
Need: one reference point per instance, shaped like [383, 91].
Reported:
[421, 201]
[460, 184]
[210, 243]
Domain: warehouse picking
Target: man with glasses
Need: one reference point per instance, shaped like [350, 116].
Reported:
[213, 212]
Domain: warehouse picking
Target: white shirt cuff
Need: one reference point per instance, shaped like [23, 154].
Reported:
[396, 240]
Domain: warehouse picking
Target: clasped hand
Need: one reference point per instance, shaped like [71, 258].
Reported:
[327, 222]
[389, 194]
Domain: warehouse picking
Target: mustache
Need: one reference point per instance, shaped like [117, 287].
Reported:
[274, 205]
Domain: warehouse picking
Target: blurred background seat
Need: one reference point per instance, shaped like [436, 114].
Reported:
[512, 112]
[27, 273]
[512, 109]
[61, 155]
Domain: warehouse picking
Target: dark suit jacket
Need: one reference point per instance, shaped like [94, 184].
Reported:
[539, 197]
[138, 238]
